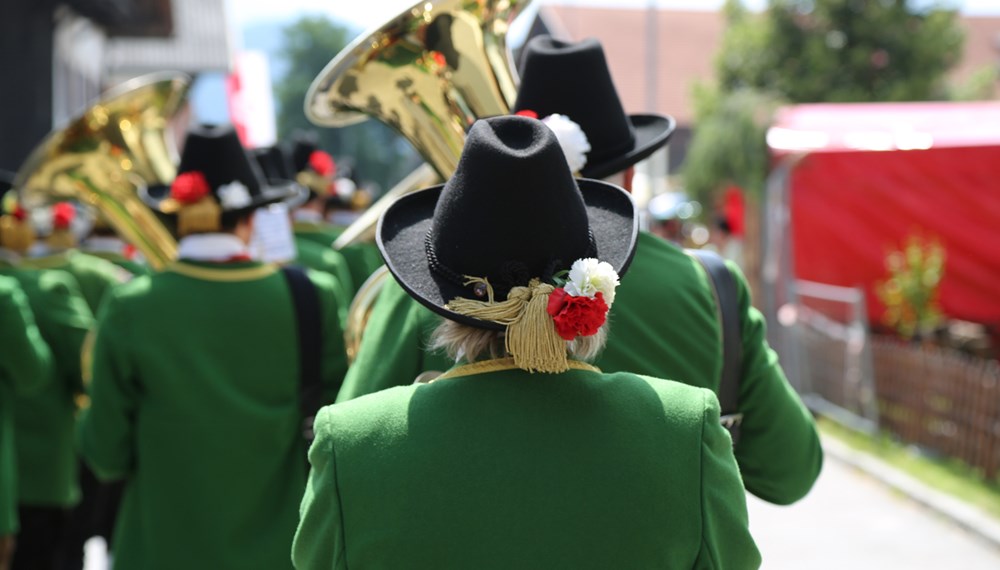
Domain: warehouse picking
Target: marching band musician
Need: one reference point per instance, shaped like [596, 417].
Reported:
[58, 250]
[317, 171]
[47, 474]
[275, 164]
[195, 397]
[666, 326]
[522, 455]
[25, 367]
[105, 243]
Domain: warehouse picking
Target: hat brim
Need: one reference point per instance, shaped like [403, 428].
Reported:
[158, 197]
[652, 132]
[403, 228]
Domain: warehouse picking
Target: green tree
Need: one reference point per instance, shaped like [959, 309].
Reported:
[800, 51]
[376, 152]
[842, 50]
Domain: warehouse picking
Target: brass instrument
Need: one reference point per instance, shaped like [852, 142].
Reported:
[103, 156]
[428, 73]
[360, 310]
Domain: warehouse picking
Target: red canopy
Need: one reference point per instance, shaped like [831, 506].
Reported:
[936, 174]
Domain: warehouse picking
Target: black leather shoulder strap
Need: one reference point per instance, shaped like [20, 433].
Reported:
[310, 337]
[728, 305]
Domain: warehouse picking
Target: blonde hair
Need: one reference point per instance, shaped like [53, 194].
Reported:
[473, 344]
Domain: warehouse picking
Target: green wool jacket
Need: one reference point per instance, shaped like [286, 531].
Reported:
[44, 420]
[25, 367]
[94, 275]
[323, 258]
[499, 468]
[663, 324]
[133, 267]
[362, 258]
[195, 403]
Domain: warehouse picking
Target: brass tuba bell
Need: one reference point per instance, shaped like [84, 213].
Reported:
[428, 73]
[103, 156]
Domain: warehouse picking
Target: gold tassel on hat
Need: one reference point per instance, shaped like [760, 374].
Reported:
[15, 234]
[531, 337]
[60, 239]
[203, 216]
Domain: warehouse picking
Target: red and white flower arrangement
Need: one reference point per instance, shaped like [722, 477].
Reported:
[572, 140]
[580, 306]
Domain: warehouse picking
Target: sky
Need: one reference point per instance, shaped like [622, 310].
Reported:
[368, 13]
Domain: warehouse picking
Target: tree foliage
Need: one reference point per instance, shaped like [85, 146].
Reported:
[842, 50]
[376, 152]
[800, 51]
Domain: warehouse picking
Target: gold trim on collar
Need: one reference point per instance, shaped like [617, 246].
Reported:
[54, 261]
[220, 274]
[500, 364]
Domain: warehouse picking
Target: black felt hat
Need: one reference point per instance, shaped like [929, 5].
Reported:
[573, 79]
[314, 168]
[233, 177]
[276, 164]
[512, 212]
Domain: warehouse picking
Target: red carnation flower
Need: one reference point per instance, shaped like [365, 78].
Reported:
[322, 163]
[20, 214]
[527, 113]
[576, 316]
[62, 215]
[189, 187]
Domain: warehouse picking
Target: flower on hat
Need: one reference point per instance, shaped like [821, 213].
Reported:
[63, 214]
[580, 307]
[322, 163]
[189, 187]
[234, 195]
[571, 138]
[19, 213]
[590, 276]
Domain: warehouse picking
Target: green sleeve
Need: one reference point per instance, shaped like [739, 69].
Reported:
[65, 319]
[319, 539]
[725, 540]
[334, 356]
[779, 450]
[106, 431]
[392, 347]
[96, 277]
[27, 362]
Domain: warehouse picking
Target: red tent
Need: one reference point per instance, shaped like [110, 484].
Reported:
[874, 174]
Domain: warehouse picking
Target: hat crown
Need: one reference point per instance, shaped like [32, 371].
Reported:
[573, 79]
[512, 211]
[274, 162]
[216, 152]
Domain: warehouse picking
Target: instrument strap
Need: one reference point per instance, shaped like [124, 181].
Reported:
[727, 305]
[310, 335]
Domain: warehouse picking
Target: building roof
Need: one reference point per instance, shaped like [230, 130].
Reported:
[686, 43]
[201, 42]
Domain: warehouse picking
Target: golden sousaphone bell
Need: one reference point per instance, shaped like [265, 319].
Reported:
[428, 73]
[103, 156]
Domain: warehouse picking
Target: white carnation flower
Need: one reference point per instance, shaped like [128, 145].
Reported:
[234, 195]
[572, 140]
[588, 276]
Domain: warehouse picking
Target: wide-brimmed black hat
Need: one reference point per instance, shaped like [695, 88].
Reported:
[313, 167]
[512, 212]
[573, 79]
[233, 177]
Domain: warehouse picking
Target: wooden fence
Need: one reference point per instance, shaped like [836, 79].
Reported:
[940, 399]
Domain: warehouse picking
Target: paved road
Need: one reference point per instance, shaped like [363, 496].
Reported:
[851, 521]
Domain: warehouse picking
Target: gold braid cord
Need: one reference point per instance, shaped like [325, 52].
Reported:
[531, 335]
[205, 215]
[16, 235]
